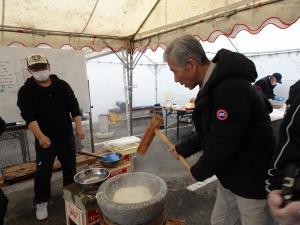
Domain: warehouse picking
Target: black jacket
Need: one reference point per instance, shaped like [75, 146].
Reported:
[49, 106]
[266, 87]
[2, 125]
[233, 128]
[288, 151]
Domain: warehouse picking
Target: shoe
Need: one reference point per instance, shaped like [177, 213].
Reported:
[41, 211]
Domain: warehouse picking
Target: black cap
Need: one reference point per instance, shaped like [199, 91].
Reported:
[278, 77]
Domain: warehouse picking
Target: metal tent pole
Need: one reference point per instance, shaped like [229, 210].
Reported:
[129, 64]
[157, 67]
[91, 120]
[129, 77]
[125, 79]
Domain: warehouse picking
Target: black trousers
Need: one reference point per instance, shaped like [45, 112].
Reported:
[64, 149]
[3, 206]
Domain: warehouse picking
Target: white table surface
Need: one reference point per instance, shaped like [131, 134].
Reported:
[277, 114]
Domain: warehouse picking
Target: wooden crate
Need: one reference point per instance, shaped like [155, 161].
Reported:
[128, 151]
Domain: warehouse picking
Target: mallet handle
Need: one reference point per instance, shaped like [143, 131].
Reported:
[88, 154]
[163, 137]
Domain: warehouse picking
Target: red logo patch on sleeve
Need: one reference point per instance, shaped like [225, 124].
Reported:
[222, 114]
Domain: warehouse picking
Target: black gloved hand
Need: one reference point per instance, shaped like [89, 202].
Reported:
[291, 183]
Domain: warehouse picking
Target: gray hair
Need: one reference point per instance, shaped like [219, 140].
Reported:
[183, 48]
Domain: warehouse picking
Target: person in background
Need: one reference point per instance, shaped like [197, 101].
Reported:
[190, 104]
[287, 154]
[3, 198]
[48, 104]
[233, 129]
[192, 99]
[267, 85]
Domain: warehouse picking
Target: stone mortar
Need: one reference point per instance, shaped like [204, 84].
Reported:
[137, 213]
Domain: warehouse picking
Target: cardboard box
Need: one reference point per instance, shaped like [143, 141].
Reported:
[85, 202]
[83, 209]
[73, 194]
[125, 168]
[80, 217]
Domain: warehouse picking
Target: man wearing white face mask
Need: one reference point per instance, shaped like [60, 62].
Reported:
[47, 104]
[267, 85]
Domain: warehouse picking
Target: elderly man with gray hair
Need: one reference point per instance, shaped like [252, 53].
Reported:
[233, 129]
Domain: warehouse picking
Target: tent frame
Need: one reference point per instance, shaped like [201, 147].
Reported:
[129, 63]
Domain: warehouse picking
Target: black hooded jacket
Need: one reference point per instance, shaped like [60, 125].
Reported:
[288, 151]
[49, 106]
[233, 128]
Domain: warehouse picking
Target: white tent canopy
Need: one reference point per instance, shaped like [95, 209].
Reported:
[135, 23]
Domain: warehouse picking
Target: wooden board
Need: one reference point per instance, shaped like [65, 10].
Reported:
[23, 171]
[125, 149]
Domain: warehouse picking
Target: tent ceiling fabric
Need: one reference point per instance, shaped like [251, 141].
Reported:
[113, 23]
[226, 19]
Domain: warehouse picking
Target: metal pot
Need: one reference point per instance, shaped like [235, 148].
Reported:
[110, 159]
[90, 179]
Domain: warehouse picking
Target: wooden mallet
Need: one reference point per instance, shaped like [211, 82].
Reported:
[151, 131]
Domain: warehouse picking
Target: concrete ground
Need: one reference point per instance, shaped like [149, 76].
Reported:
[194, 207]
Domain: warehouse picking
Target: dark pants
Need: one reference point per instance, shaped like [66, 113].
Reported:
[3, 206]
[65, 151]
